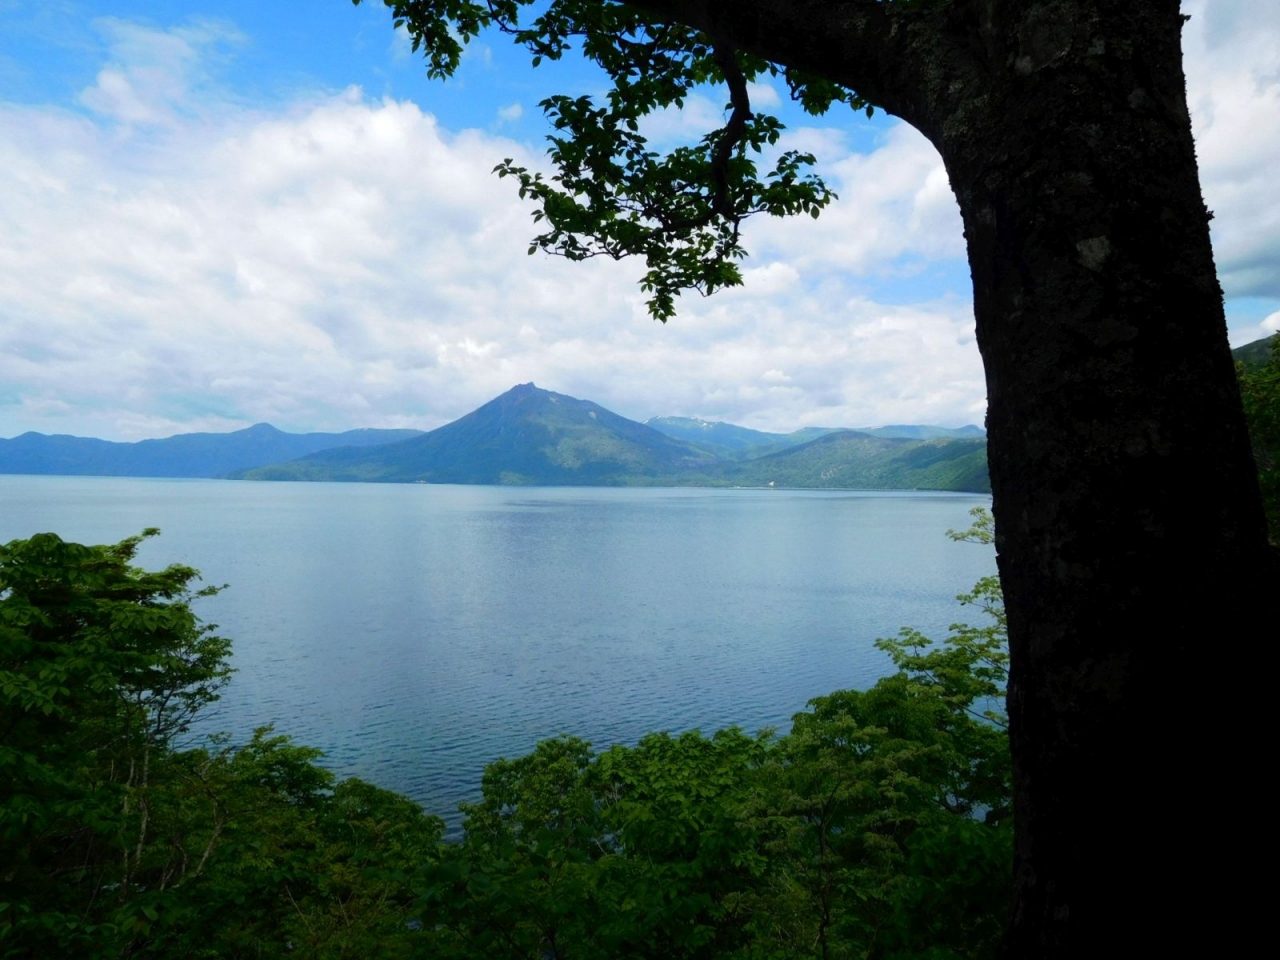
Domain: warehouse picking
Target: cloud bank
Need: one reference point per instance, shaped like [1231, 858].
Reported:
[174, 258]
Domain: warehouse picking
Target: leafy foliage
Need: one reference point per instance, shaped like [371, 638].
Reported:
[1260, 391]
[115, 841]
[612, 194]
[101, 665]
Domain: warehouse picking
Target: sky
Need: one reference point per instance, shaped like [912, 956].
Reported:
[215, 213]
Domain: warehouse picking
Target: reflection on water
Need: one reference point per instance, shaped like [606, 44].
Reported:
[415, 632]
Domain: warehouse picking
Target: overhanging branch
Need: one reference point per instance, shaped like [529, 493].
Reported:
[860, 44]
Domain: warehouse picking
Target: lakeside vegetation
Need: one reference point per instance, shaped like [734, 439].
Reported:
[878, 826]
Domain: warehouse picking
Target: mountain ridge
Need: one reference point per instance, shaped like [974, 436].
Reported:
[533, 436]
[529, 435]
[185, 455]
[524, 436]
[735, 442]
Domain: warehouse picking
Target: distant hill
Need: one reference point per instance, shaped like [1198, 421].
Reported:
[184, 455]
[525, 436]
[727, 439]
[734, 442]
[534, 436]
[924, 432]
[1254, 354]
[855, 459]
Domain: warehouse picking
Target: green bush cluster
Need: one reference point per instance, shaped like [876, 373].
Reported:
[115, 841]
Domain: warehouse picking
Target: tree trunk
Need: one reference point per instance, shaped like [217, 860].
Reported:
[1129, 528]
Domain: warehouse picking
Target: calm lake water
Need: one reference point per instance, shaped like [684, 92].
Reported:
[415, 632]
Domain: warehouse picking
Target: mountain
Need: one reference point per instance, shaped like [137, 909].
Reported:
[534, 436]
[924, 432]
[727, 439]
[1254, 354]
[525, 436]
[734, 442]
[184, 455]
[852, 459]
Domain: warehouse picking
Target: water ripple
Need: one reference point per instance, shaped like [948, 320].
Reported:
[415, 633]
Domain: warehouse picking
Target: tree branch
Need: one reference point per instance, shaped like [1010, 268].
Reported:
[859, 44]
[722, 204]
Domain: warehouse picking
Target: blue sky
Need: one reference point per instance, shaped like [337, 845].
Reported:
[217, 213]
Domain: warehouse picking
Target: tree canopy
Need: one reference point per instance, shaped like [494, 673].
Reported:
[612, 193]
[118, 840]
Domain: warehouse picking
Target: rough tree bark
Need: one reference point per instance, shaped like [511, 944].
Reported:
[1130, 532]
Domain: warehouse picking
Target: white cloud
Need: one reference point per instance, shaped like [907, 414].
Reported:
[763, 95]
[689, 123]
[347, 262]
[895, 203]
[401, 44]
[174, 261]
[151, 72]
[510, 113]
[1232, 60]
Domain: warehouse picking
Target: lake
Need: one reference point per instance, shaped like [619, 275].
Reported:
[415, 632]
